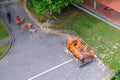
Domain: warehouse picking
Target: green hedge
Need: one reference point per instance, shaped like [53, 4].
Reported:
[116, 76]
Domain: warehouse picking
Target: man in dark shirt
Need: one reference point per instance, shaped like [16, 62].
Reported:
[9, 16]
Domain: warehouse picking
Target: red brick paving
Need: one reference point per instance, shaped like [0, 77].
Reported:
[101, 9]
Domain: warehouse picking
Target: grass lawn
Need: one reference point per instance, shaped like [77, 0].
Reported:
[3, 34]
[4, 49]
[3, 31]
[103, 38]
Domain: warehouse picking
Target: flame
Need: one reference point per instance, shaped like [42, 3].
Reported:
[78, 49]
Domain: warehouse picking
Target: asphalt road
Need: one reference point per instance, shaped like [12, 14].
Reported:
[40, 56]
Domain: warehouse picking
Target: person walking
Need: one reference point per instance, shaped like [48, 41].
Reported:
[9, 16]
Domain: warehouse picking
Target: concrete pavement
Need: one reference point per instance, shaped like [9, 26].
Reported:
[40, 56]
[5, 41]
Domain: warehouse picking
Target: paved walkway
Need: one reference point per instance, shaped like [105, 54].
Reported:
[4, 2]
[5, 41]
[40, 56]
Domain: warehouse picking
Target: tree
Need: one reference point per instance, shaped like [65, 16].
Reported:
[116, 76]
[44, 6]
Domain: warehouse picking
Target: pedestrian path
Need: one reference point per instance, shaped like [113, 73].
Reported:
[4, 2]
[5, 41]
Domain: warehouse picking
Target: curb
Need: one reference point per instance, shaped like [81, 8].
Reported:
[45, 26]
[10, 35]
[99, 16]
[7, 2]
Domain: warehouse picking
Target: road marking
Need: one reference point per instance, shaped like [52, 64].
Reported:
[50, 70]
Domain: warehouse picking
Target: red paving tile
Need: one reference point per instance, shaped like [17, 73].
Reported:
[114, 4]
[105, 10]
